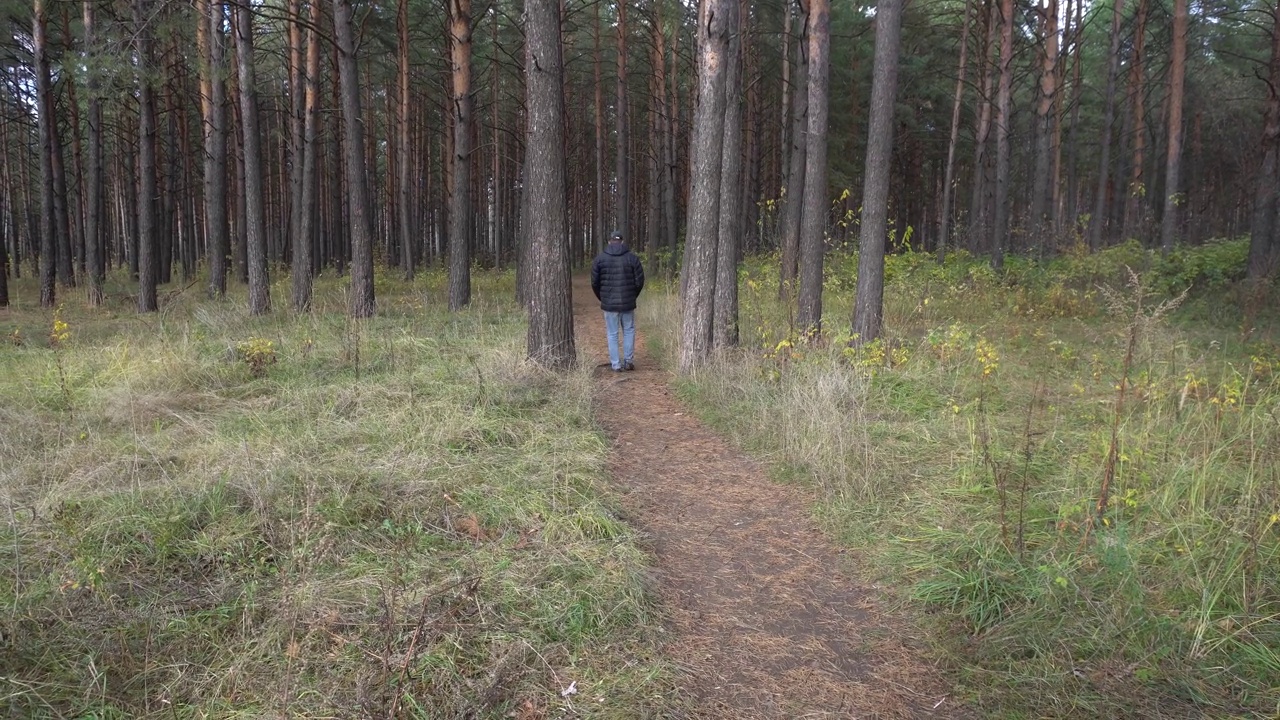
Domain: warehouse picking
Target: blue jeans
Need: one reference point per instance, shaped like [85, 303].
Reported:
[627, 320]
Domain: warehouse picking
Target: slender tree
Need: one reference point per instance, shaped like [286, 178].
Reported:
[251, 141]
[813, 225]
[213, 101]
[1041, 205]
[1264, 240]
[868, 308]
[699, 268]
[459, 201]
[95, 268]
[1098, 220]
[404, 200]
[948, 183]
[1173, 158]
[793, 200]
[304, 255]
[724, 324]
[147, 270]
[550, 291]
[623, 203]
[362, 301]
[48, 140]
[1136, 190]
[1004, 122]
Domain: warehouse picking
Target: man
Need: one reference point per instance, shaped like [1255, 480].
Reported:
[617, 277]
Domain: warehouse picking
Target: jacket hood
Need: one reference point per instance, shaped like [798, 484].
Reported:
[616, 248]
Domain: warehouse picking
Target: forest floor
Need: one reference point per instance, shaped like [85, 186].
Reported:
[766, 616]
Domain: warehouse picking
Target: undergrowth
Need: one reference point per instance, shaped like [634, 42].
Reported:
[208, 514]
[1076, 485]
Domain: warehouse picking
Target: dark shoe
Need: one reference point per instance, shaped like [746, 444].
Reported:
[629, 367]
[618, 369]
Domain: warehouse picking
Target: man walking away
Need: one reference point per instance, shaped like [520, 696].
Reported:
[617, 277]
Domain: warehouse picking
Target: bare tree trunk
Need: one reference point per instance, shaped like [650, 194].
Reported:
[1173, 161]
[297, 99]
[550, 340]
[667, 143]
[978, 222]
[868, 308]
[699, 270]
[304, 261]
[598, 230]
[724, 323]
[620, 112]
[48, 139]
[1004, 110]
[655, 157]
[146, 162]
[784, 138]
[1072, 210]
[362, 303]
[948, 189]
[213, 100]
[407, 235]
[1041, 205]
[95, 269]
[254, 196]
[1136, 190]
[814, 223]
[1264, 241]
[1098, 219]
[793, 201]
[460, 202]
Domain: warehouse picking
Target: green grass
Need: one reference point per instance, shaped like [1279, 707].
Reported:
[399, 512]
[964, 456]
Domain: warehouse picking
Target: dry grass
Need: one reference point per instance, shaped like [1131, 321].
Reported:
[395, 517]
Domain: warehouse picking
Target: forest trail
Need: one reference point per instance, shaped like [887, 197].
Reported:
[760, 616]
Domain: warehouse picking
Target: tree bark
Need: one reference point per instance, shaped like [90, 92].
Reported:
[868, 308]
[459, 201]
[1173, 160]
[978, 206]
[793, 200]
[813, 226]
[407, 235]
[948, 189]
[1136, 190]
[251, 140]
[598, 230]
[146, 162]
[550, 339]
[297, 100]
[49, 243]
[623, 165]
[1264, 240]
[1004, 110]
[95, 209]
[1098, 220]
[1041, 193]
[362, 301]
[701, 235]
[724, 324]
[304, 261]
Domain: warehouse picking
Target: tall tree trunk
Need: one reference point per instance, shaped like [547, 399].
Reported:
[793, 202]
[1098, 219]
[1264, 240]
[297, 100]
[668, 145]
[304, 260]
[76, 213]
[1041, 193]
[724, 323]
[654, 215]
[598, 231]
[948, 189]
[816, 204]
[407, 235]
[363, 303]
[784, 126]
[1004, 111]
[550, 340]
[251, 140]
[460, 202]
[1072, 203]
[701, 235]
[1173, 160]
[978, 207]
[868, 308]
[146, 162]
[95, 269]
[213, 104]
[48, 139]
[620, 112]
[1136, 190]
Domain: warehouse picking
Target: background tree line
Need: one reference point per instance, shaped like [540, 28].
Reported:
[214, 140]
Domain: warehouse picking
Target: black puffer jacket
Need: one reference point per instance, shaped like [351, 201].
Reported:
[617, 277]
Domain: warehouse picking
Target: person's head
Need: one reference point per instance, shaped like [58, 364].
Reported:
[615, 236]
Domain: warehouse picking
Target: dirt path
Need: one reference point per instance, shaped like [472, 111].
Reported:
[761, 616]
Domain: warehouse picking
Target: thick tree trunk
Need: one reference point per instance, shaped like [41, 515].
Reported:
[213, 104]
[814, 223]
[251, 140]
[362, 302]
[724, 324]
[304, 260]
[701, 235]
[146, 162]
[868, 309]
[793, 200]
[1173, 160]
[459, 201]
[1098, 220]
[550, 340]
[50, 242]
[1004, 111]
[1264, 240]
[948, 189]
[95, 209]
